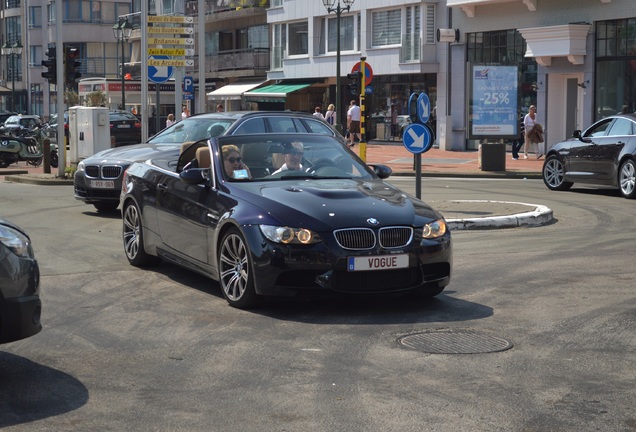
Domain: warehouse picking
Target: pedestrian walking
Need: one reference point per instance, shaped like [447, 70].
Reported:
[170, 120]
[318, 113]
[533, 134]
[330, 115]
[518, 143]
[353, 123]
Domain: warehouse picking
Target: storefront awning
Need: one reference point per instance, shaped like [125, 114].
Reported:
[232, 91]
[273, 93]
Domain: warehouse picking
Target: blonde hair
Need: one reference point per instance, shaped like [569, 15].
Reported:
[331, 107]
[230, 148]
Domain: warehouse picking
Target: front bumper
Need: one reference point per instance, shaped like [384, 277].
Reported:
[282, 270]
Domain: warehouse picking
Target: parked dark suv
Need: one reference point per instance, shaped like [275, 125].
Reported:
[98, 178]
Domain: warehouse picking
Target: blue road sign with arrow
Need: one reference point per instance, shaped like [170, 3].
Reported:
[417, 138]
[423, 108]
[159, 74]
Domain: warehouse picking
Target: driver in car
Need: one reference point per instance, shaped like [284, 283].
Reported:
[293, 156]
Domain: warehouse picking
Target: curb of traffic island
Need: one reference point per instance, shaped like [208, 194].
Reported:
[38, 179]
[539, 216]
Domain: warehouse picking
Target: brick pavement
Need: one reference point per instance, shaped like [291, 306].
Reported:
[436, 162]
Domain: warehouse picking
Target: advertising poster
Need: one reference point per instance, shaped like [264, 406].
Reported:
[494, 102]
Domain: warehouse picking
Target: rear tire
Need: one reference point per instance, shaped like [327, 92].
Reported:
[235, 271]
[133, 237]
[627, 179]
[554, 173]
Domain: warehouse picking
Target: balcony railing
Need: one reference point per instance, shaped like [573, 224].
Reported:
[252, 58]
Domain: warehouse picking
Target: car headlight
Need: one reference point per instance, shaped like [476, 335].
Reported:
[80, 166]
[434, 229]
[287, 235]
[16, 242]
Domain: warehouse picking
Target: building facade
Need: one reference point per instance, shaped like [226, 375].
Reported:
[574, 60]
[85, 25]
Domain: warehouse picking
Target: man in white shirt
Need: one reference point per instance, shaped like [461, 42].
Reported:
[353, 123]
[293, 156]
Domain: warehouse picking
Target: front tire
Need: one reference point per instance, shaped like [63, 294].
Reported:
[627, 179]
[235, 271]
[554, 174]
[133, 238]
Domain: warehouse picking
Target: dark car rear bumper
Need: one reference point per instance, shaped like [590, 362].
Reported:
[20, 318]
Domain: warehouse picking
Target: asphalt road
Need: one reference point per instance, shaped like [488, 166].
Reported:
[126, 349]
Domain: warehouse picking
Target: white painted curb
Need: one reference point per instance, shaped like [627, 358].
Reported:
[540, 215]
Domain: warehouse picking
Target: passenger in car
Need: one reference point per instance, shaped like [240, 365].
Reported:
[233, 163]
[293, 156]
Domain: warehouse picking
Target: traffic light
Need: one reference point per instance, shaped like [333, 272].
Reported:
[355, 83]
[51, 64]
[72, 65]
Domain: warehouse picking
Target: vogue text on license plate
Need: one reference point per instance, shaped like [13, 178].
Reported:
[382, 262]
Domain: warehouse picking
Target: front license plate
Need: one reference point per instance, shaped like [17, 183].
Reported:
[102, 184]
[383, 262]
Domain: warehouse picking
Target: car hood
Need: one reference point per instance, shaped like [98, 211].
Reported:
[132, 153]
[332, 204]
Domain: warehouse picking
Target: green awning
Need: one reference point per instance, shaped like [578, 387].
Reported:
[273, 92]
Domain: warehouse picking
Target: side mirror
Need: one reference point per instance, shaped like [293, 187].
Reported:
[382, 171]
[194, 176]
[577, 134]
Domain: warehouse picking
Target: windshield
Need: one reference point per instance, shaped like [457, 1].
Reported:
[292, 156]
[192, 129]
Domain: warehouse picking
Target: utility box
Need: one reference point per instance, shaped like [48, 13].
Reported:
[492, 156]
[89, 129]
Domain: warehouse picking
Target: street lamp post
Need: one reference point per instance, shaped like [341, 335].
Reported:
[12, 51]
[122, 31]
[329, 4]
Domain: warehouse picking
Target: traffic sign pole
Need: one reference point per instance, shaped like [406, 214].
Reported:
[363, 135]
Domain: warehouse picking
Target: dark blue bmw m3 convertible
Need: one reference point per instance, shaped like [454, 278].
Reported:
[281, 214]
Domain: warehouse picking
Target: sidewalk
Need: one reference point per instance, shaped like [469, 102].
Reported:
[440, 163]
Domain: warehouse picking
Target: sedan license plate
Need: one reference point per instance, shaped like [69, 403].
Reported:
[102, 184]
[383, 262]
[123, 126]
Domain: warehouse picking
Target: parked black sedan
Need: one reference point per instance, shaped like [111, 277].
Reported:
[20, 305]
[283, 214]
[98, 178]
[604, 154]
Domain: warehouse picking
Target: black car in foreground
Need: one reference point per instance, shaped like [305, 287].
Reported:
[98, 178]
[604, 155]
[20, 306]
[227, 208]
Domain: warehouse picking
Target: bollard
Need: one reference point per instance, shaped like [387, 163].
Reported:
[46, 149]
[112, 142]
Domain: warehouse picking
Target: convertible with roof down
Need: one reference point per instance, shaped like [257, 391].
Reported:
[283, 214]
